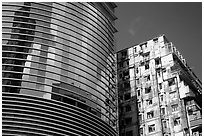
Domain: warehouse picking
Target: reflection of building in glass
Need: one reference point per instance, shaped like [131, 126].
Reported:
[158, 93]
[58, 69]
[19, 34]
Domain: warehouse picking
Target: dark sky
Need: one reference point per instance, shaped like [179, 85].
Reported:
[181, 22]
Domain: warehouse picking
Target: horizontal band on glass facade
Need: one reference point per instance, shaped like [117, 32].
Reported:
[104, 19]
[44, 16]
[59, 66]
[6, 57]
[62, 22]
[59, 96]
[6, 60]
[6, 48]
[87, 35]
[38, 40]
[39, 111]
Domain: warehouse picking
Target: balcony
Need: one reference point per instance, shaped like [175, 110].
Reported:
[166, 130]
[158, 66]
[190, 94]
[172, 88]
[146, 58]
[141, 62]
[186, 92]
[196, 122]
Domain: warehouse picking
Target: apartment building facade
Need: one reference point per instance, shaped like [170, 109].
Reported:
[159, 95]
[58, 71]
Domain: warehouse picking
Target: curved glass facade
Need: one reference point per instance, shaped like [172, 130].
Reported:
[58, 69]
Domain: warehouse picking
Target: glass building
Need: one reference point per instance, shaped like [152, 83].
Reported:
[159, 95]
[58, 69]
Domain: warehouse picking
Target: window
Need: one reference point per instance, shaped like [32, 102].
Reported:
[138, 81]
[191, 102]
[164, 125]
[163, 111]
[148, 90]
[141, 46]
[128, 108]
[159, 73]
[12, 75]
[150, 114]
[69, 101]
[173, 95]
[56, 97]
[124, 53]
[195, 115]
[171, 82]
[149, 102]
[126, 85]
[160, 86]
[174, 107]
[137, 70]
[148, 77]
[164, 70]
[84, 106]
[135, 49]
[141, 131]
[126, 74]
[140, 118]
[127, 63]
[196, 133]
[190, 112]
[146, 56]
[139, 105]
[155, 41]
[127, 96]
[128, 120]
[147, 66]
[145, 45]
[129, 133]
[161, 98]
[177, 121]
[136, 55]
[138, 92]
[157, 61]
[151, 128]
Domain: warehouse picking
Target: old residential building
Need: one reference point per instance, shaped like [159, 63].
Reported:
[158, 92]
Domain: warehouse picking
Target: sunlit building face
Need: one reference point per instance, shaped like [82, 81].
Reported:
[58, 69]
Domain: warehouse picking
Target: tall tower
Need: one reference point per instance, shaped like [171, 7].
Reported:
[58, 69]
[158, 92]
